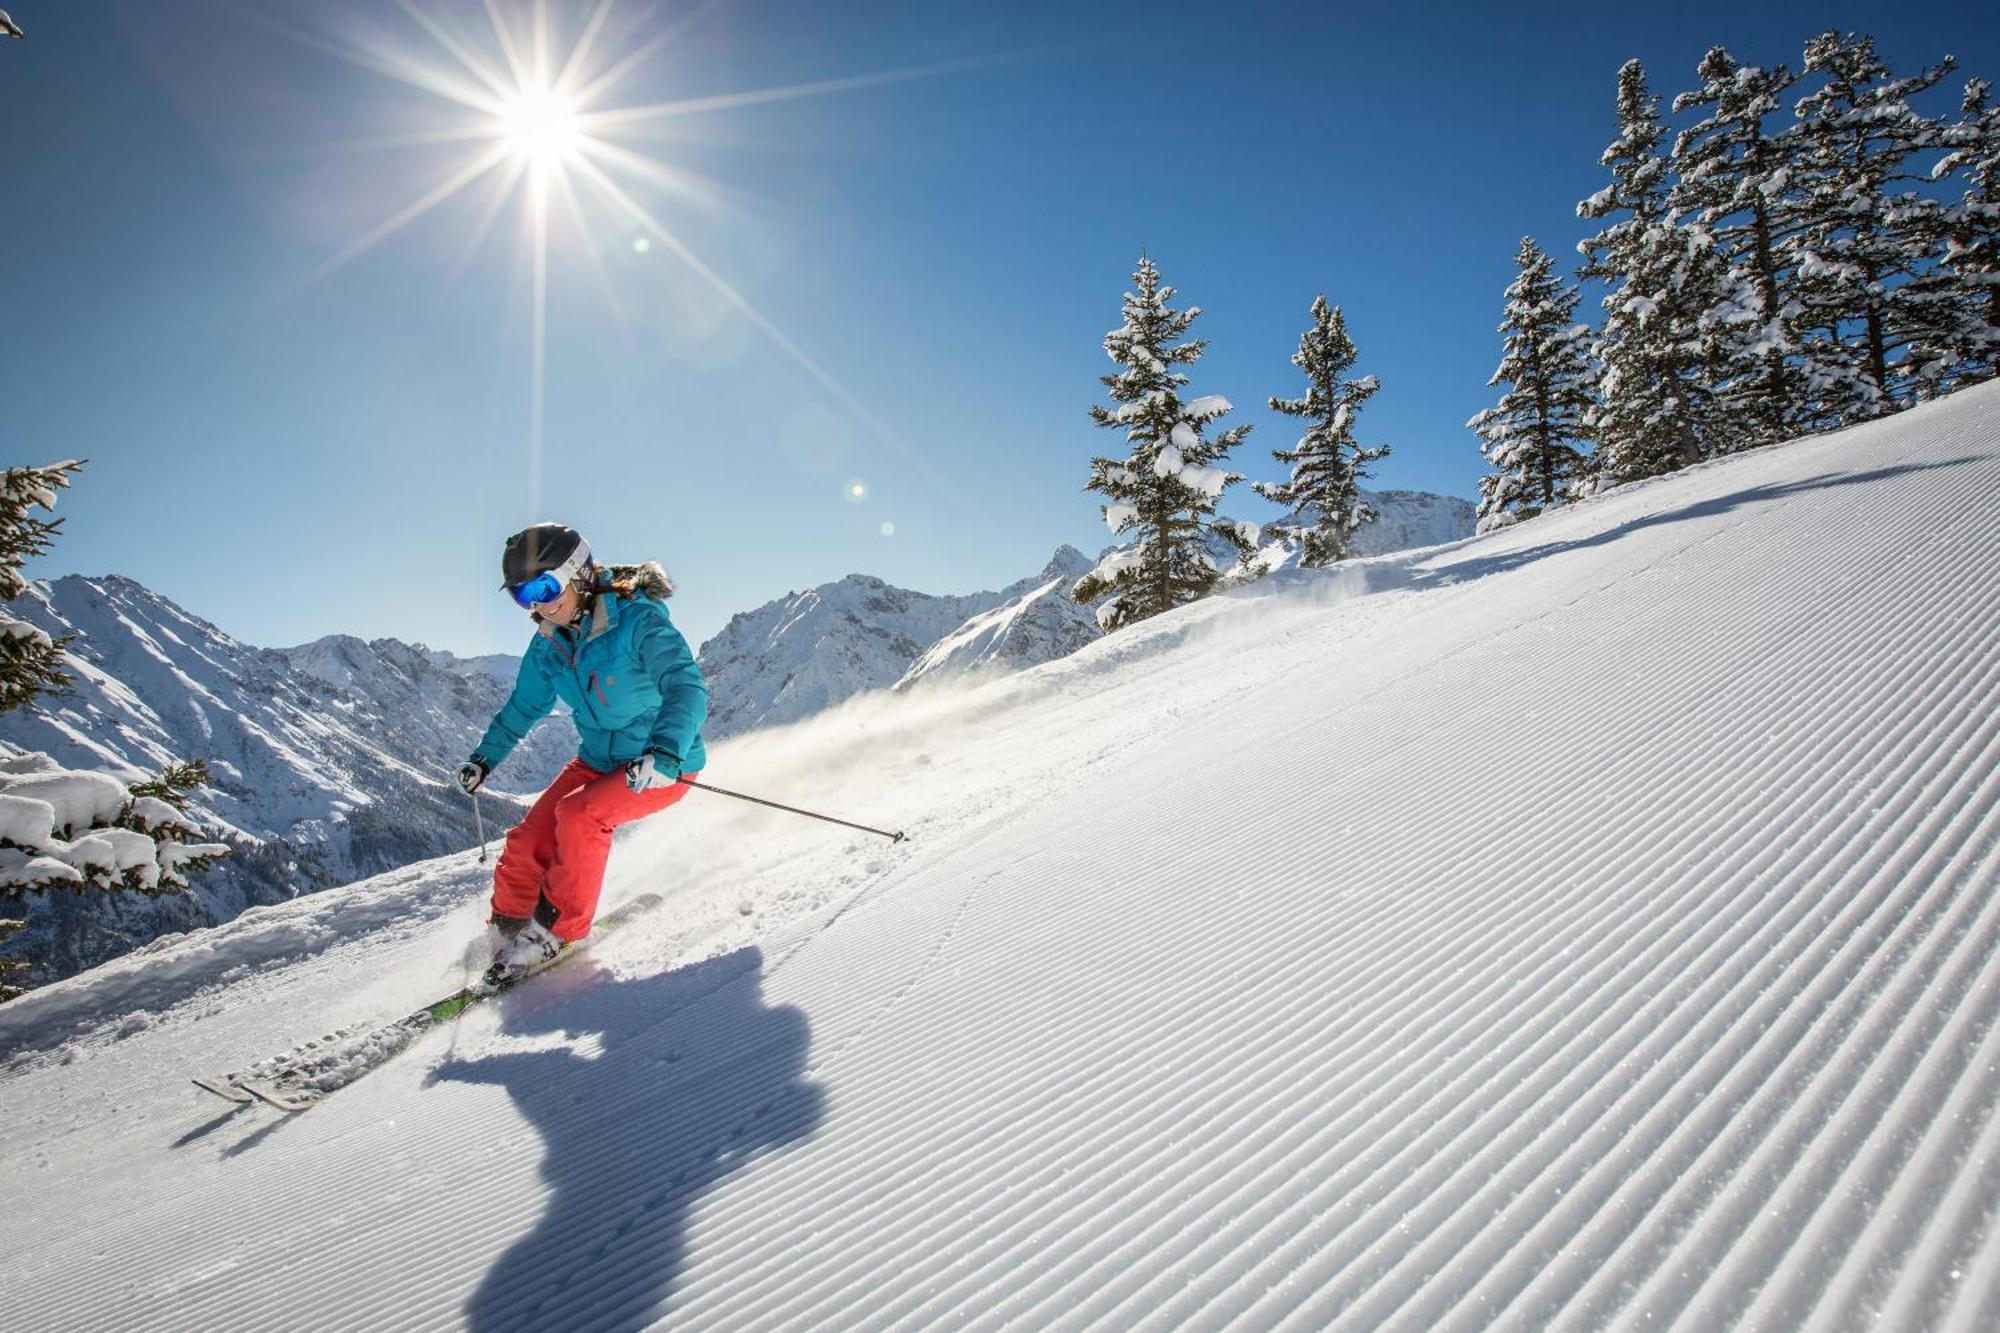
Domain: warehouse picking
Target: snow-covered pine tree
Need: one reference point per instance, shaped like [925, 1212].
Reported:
[62, 829]
[1965, 346]
[1736, 177]
[1867, 233]
[1530, 436]
[1669, 310]
[30, 661]
[1327, 463]
[1168, 484]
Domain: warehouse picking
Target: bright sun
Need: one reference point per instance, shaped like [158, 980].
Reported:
[541, 126]
[544, 129]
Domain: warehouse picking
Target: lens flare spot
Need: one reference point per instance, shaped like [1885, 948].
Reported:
[642, 245]
[888, 529]
[856, 491]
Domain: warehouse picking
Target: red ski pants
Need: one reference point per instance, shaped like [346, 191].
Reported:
[560, 849]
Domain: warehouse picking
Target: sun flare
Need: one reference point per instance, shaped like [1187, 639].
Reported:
[541, 126]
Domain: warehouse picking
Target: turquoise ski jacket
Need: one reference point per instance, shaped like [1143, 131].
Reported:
[627, 675]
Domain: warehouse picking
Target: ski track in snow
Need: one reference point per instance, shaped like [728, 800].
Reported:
[1591, 925]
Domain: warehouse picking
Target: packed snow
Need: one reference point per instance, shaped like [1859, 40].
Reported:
[1592, 924]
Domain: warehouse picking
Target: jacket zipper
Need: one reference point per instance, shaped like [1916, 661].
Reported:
[575, 666]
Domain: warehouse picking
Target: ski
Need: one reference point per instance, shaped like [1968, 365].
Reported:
[258, 1092]
[224, 1089]
[304, 1075]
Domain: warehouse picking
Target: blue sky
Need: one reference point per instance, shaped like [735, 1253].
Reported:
[291, 448]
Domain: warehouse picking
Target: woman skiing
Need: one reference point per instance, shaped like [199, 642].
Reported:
[603, 645]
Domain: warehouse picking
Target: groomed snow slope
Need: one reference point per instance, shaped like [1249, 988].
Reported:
[1590, 925]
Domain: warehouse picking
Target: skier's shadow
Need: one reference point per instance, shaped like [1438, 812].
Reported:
[694, 1076]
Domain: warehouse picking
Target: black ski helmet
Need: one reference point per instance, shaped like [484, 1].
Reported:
[539, 549]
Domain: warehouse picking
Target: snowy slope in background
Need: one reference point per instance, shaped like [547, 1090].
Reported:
[334, 753]
[1592, 924]
[799, 655]
[1404, 521]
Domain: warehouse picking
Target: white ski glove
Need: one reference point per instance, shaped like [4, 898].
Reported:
[472, 774]
[652, 769]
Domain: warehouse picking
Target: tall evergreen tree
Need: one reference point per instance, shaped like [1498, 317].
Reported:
[1736, 178]
[1965, 344]
[1866, 232]
[1168, 484]
[1669, 311]
[1328, 463]
[1530, 437]
[30, 661]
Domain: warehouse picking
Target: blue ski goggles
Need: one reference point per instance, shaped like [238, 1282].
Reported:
[537, 591]
[548, 585]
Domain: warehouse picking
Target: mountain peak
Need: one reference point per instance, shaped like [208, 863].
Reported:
[1068, 561]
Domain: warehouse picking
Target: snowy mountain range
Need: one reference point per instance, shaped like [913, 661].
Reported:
[1036, 621]
[329, 758]
[801, 654]
[1408, 520]
[1590, 925]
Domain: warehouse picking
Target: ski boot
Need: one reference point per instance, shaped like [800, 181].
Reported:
[533, 947]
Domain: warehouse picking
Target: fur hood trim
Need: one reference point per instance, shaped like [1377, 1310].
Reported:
[649, 579]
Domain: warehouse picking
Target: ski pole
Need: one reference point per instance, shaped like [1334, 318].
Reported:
[792, 809]
[479, 827]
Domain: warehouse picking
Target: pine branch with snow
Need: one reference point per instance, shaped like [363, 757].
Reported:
[22, 535]
[8, 967]
[30, 660]
[73, 829]
[1167, 485]
[1328, 463]
[1531, 436]
[70, 830]
[174, 783]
